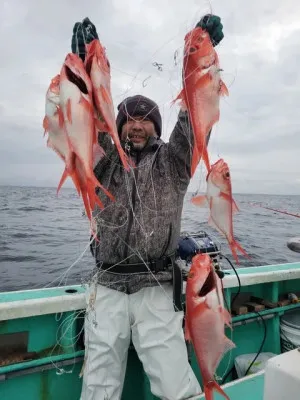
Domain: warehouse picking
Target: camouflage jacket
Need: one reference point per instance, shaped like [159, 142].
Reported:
[144, 221]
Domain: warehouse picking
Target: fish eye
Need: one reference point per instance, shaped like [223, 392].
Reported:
[192, 49]
[227, 174]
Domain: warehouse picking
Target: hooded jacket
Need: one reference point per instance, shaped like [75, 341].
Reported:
[144, 221]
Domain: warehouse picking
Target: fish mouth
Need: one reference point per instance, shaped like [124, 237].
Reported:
[208, 285]
[226, 175]
[79, 82]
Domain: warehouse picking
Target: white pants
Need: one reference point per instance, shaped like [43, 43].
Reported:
[148, 317]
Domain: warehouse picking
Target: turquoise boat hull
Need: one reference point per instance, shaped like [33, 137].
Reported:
[41, 339]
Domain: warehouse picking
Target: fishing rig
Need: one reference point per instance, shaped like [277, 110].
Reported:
[191, 244]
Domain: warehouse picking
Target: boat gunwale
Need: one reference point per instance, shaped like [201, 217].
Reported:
[71, 298]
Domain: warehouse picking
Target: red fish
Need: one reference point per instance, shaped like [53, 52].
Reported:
[221, 203]
[205, 320]
[57, 137]
[202, 88]
[79, 122]
[98, 68]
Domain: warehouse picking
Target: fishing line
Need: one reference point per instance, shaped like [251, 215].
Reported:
[128, 189]
[259, 315]
[137, 253]
[262, 343]
[61, 276]
[164, 44]
[74, 319]
[144, 84]
[239, 282]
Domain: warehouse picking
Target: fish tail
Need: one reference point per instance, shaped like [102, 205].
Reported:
[124, 157]
[93, 181]
[234, 245]
[197, 155]
[76, 182]
[94, 199]
[94, 233]
[209, 389]
[86, 203]
[62, 180]
[195, 160]
[206, 158]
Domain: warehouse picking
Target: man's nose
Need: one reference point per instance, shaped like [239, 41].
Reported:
[137, 124]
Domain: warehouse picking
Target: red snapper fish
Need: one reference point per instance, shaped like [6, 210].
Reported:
[79, 123]
[57, 137]
[221, 204]
[98, 68]
[205, 321]
[202, 88]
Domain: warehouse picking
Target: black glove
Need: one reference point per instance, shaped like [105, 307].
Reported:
[212, 24]
[83, 33]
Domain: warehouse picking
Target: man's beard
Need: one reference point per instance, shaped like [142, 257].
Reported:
[138, 146]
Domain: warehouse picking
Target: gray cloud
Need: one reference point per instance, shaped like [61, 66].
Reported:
[258, 132]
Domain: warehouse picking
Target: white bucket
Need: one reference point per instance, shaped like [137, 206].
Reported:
[290, 330]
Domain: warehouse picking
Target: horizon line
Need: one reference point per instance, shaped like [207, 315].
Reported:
[189, 191]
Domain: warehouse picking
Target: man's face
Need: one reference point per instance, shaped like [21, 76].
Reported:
[138, 130]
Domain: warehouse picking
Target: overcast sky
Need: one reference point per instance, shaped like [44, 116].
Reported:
[258, 133]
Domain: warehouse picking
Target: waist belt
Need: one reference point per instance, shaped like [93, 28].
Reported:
[154, 266]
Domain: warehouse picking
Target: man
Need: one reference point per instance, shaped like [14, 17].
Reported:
[136, 278]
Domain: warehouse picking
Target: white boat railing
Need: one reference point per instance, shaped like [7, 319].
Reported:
[73, 298]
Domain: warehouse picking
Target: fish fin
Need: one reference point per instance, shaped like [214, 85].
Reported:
[200, 152]
[62, 180]
[126, 161]
[69, 111]
[46, 124]
[87, 105]
[98, 154]
[93, 198]
[228, 344]
[93, 227]
[200, 200]
[101, 125]
[86, 203]
[60, 117]
[212, 386]
[230, 200]
[234, 206]
[180, 96]
[94, 234]
[223, 91]
[200, 308]
[50, 145]
[213, 224]
[183, 105]
[195, 160]
[187, 334]
[234, 245]
[226, 316]
[105, 94]
[94, 181]
[205, 158]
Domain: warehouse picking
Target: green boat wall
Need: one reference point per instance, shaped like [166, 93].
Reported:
[47, 326]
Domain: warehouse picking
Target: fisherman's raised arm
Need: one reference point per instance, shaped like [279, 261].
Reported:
[84, 33]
